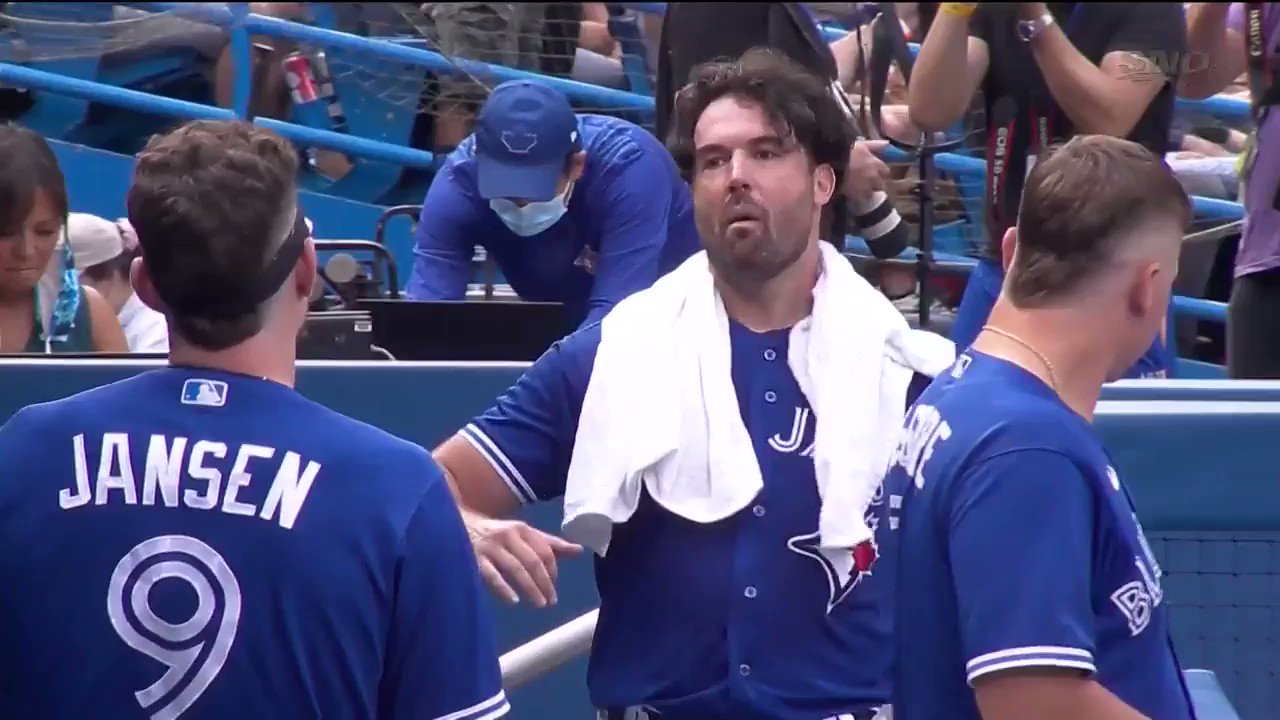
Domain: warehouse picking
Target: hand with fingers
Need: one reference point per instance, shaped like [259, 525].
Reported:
[866, 174]
[512, 555]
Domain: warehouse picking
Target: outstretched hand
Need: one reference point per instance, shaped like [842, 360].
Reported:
[515, 556]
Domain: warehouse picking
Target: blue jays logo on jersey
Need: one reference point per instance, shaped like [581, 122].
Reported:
[1138, 598]
[799, 429]
[209, 393]
[843, 567]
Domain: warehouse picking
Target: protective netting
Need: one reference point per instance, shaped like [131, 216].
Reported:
[955, 195]
[1223, 591]
[557, 39]
[582, 41]
[42, 32]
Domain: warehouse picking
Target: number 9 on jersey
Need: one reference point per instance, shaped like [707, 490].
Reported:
[192, 651]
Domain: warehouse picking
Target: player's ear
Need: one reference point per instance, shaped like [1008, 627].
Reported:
[1144, 290]
[140, 279]
[824, 184]
[306, 271]
[577, 165]
[1008, 247]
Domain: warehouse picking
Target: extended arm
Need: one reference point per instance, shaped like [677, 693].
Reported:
[936, 96]
[1110, 98]
[1210, 36]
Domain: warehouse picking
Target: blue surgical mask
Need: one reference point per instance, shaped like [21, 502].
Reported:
[533, 218]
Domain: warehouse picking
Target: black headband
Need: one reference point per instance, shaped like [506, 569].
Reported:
[216, 300]
[281, 263]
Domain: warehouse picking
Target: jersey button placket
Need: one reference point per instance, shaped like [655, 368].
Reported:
[747, 610]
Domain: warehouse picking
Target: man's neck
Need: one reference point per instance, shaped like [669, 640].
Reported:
[781, 301]
[1063, 339]
[259, 356]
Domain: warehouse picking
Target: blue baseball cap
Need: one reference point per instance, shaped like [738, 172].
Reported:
[524, 133]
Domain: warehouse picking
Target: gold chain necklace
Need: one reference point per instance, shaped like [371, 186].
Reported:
[1053, 376]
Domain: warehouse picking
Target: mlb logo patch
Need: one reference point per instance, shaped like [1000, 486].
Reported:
[209, 393]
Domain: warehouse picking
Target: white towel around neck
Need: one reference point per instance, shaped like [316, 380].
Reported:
[660, 411]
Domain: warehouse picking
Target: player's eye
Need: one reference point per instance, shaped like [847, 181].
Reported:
[712, 162]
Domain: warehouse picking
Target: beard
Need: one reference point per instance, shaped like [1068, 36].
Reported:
[748, 254]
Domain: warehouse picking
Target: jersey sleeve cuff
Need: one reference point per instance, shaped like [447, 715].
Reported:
[501, 464]
[1024, 657]
[494, 707]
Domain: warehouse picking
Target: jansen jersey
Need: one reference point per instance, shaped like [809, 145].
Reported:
[191, 543]
[1019, 547]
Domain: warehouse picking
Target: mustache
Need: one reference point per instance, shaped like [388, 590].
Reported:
[742, 207]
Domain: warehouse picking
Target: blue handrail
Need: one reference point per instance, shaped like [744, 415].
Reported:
[349, 144]
[1221, 107]
[584, 92]
[20, 76]
[273, 27]
[241, 51]
[169, 107]
[244, 25]
[1200, 309]
[652, 8]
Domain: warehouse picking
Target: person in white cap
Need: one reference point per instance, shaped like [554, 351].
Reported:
[103, 251]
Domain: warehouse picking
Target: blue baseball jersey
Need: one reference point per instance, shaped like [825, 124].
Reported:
[190, 543]
[1019, 547]
[742, 618]
[629, 221]
[980, 296]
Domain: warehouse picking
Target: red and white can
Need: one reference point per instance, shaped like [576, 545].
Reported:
[298, 76]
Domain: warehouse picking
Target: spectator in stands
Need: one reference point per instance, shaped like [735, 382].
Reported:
[104, 252]
[270, 94]
[718, 599]
[579, 209]
[1219, 30]
[562, 39]
[1046, 72]
[43, 307]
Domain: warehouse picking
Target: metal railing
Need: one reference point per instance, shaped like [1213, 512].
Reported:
[240, 23]
[169, 107]
[548, 651]
[255, 24]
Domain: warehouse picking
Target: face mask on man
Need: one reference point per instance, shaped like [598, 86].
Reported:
[535, 217]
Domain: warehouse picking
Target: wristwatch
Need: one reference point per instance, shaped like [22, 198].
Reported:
[1029, 29]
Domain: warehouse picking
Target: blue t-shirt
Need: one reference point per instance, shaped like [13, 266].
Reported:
[630, 221]
[195, 543]
[1019, 547]
[737, 619]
